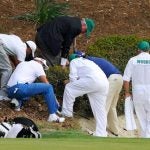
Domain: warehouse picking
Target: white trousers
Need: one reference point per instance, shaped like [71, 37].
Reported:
[141, 99]
[96, 89]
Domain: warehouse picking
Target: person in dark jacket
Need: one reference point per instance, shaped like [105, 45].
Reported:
[55, 37]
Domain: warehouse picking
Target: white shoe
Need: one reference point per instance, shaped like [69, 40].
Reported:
[15, 103]
[55, 118]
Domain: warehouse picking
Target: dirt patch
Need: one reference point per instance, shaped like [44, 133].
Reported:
[89, 125]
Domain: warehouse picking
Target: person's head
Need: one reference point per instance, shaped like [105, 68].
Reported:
[30, 50]
[87, 26]
[143, 46]
[42, 61]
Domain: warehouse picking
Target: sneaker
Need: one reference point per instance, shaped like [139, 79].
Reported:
[15, 104]
[55, 118]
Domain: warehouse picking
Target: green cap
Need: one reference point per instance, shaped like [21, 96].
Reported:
[143, 46]
[72, 56]
[90, 26]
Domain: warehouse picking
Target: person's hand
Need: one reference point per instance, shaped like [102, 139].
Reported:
[66, 81]
[127, 94]
[63, 66]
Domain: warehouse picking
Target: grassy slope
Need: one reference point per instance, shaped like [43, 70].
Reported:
[74, 141]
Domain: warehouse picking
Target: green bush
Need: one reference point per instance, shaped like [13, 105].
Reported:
[56, 76]
[118, 50]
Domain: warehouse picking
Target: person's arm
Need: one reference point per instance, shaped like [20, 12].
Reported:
[43, 79]
[126, 86]
[65, 50]
[14, 60]
[127, 77]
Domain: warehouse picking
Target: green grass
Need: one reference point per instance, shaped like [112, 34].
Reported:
[72, 140]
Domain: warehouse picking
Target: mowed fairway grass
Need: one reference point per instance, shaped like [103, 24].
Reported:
[74, 141]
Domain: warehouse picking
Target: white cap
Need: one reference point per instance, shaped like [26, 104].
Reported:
[32, 45]
[43, 61]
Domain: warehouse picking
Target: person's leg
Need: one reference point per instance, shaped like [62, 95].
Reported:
[98, 102]
[73, 90]
[115, 86]
[28, 90]
[5, 71]
[147, 130]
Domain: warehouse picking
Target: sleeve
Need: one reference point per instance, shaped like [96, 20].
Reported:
[20, 53]
[128, 71]
[39, 71]
[66, 46]
[73, 71]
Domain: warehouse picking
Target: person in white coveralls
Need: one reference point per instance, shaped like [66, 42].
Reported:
[87, 78]
[14, 49]
[138, 71]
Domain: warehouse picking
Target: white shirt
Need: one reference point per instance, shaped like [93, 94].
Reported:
[26, 72]
[81, 67]
[138, 70]
[14, 46]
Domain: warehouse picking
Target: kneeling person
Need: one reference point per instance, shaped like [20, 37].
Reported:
[21, 86]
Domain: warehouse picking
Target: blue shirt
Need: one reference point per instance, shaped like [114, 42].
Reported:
[107, 67]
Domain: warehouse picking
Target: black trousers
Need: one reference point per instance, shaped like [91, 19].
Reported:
[45, 53]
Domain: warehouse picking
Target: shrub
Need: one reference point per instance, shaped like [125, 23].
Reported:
[56, 75]
[118, 50]
[45, 10]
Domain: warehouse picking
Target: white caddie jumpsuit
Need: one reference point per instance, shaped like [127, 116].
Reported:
[138, 70]
[87, 78]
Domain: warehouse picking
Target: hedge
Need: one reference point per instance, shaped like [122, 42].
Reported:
[116, 49]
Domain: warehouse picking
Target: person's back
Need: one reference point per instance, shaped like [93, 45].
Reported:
[25, 74]
[85, 68]
[140, 70]
[13, 44]
[105, 65]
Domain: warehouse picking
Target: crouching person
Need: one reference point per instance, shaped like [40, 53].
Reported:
[21, 86]
[87, 78]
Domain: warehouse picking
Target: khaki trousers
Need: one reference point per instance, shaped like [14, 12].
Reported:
[115, 86]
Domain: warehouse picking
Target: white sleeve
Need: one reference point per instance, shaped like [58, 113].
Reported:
[21, 54]
[63, 61]
[73, 71]
[128, 71]
[40, 71]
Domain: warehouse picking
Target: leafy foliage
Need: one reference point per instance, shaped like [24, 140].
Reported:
[45, 10]
[56, 75]
[118, 50]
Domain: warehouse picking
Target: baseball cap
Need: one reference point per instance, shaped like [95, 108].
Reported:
[72, 56]
[90, 26]
[43, 61]
[32, 45]
[144, 46]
